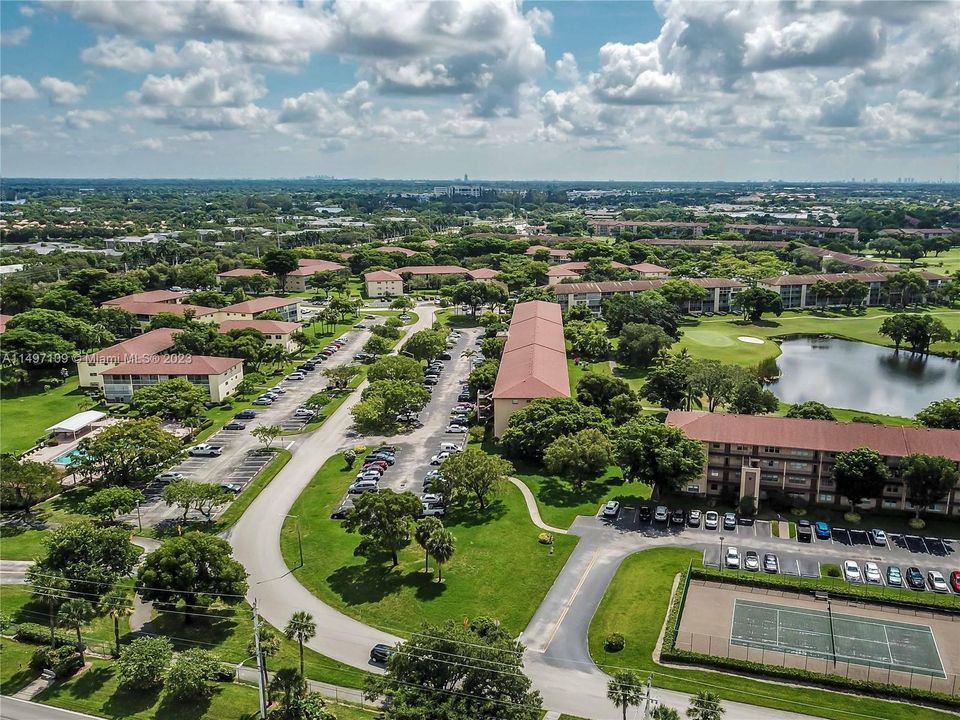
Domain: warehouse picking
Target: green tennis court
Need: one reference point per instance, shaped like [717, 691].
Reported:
[859, 640]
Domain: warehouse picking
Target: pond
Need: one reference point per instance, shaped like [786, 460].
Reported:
[860, 376]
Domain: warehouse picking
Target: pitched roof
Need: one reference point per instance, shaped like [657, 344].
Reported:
[156, 296]
[393, 249]
[433, 270]
[824, 435]
[267, 327]
[611, 287]
[150, 343]
[483, 274]
[534, 362]
[382, 276]
[867, 277]
[176, 365]
[4, 319]
[241, 272]
[258, 305]
[155, 308]
[554, 252]
[649, 268]
[311, 266]
[575, 268]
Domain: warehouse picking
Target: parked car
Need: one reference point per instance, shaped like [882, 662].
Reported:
[894, 577]
[711, 519]
[456, 428]
[380, 653]
[693, 518]
[729, 521]
[371, 473]
[234, 425]
[732, 558]
[439, 458]
[661, 513]
[232, 487]
[296, 376]
[871, 572]
[751, 561]
[388, 458]
[205, 450]
[263, 401]
[770, 563]
[915, 578]
[430, 380]
[955, 581]
[445, 356]
[643, 513]
[302, 412]
[878, 537]
[245, 415]
[822, 530]
[430, 510]
[279, 390]
[168, 477]
[362, 486]
[851, 571]
[432, 498]
[804, 531]
[936, 582]
[341, 510]
[678, 517]
[611, 509]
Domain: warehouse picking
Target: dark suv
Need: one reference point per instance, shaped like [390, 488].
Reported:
[644, 513]
[380, 653]
[915, 578]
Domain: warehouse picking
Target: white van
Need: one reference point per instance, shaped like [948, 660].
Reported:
[450, 447]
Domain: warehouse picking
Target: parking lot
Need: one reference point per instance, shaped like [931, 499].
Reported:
[241, 461]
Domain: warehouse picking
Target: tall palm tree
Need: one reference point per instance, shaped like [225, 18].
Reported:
[441, 547]
[705, 706]
[287, 685]
[116, 604]
[73, 614]
[301, 628]
[50, 588]
[424, 531]
[662, 712]
[625, 690]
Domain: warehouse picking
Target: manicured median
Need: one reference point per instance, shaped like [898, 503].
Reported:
[499, 569]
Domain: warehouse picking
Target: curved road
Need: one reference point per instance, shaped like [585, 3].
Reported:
[558, 660]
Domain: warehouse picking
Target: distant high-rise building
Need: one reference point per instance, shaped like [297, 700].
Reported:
[465, 179]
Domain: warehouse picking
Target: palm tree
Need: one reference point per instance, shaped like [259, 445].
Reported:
[662, 712]
[51, 589]
[625, 690]
[116, 604]
[705, 706]
[301, 628]
[441, 547]
[73, 614]
[425, 530]
[288, 685]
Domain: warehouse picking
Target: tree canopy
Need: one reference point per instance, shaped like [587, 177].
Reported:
[532, 428]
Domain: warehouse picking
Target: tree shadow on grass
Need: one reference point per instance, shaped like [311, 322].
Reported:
[90, 682]
[208, 630]
[376, 579]
[558, 492]
[756, 323]
[470, 514]
[193, 709]
[124, 703]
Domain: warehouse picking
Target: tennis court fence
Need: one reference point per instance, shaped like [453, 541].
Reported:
[718, 646]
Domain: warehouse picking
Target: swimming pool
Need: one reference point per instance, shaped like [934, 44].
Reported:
[68, 457]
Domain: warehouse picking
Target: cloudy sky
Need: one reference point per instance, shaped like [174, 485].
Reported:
[694, 90]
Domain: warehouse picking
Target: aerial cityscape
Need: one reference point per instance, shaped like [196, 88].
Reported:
[479, 360]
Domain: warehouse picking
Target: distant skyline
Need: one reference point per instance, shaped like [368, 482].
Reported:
[618, 91]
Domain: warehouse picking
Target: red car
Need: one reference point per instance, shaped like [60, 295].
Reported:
[955, 581]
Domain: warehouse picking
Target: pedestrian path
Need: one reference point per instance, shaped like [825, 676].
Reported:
[533, 509]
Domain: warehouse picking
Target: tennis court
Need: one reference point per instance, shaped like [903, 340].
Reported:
[860, 640]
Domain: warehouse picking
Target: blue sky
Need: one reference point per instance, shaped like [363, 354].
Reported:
[680, 90]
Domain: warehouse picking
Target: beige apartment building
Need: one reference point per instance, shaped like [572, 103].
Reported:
[383, 283]
[151, 344]
[274, 332]
[220, 376]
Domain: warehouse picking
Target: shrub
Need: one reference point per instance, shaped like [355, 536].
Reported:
[917, 523]
[748, 505]
[40, 635]
[476, 433]
[143, 663]
[615, 642]
[545, 538]
[831, 570]
[64, 660]
[852, 517]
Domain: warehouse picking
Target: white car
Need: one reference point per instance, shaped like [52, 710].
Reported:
[611, 509]
[871, 571]
[428, 510]
[936, 581]
[453, 428]
[711, 519]
[732, 559]
[878, 537]
[205, 450]
[431, 498]
[660, 514]
[851, 571]
[169, 477]
[296, 376]
[439, 458]
[304, 412]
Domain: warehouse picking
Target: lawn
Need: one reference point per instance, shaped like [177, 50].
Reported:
[844, 415]
[20, 544]
[576, 370]
[15, 672]
[498, 570]
[25, 416]
[947, 263]
[635, 605]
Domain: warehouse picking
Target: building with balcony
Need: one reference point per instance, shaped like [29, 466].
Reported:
[147, 346]
[288, 308]
[383, 283]
[219, 376]
[795, 290]
[720, 292]
[274, 332]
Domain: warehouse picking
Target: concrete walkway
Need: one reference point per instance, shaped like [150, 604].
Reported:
[14, 572]
[533, 509]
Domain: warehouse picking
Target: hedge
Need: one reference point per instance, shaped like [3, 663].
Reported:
[669, 652]
[64, 661]
[40, 635]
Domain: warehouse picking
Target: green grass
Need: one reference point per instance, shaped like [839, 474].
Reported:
[250, 493]
[488, 575]
[18, 544]
[946, 264]
[25, 416]
[845, 415]
[635, 605]
[26, 544]
[15, 672]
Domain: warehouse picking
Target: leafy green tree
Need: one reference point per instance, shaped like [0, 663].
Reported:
[908, 286]
[195, 569]
[653, 452]
[75, 613]
[267, 434]
[377, 346]
[303, 629]
[402, 303]
[662, 712]
[483, 377]
[473, 294]
[641, 343]
[755, 301]
[327, 281]
[144, 662]
[92, 558]
[705, 705]
[682, 292]
[109, 502]
[751, 398]
[116, 604]
[929, 479]
[425, 345]
[473, 472]
[190, 675]
[341, 375]
[492, 348]
[532, 428]
[623, 408]
[67, 301]
[923, 331]
[582, 457]
[895, 327]
[588, 339]
[811, 410]
[383, 521]
[79, 333]
[425, 528]
[625, 690]
[280, 263]
[716, 381]
[129, 452]
[860, 474]
[286, 687]
[25, 483]
[823, 291]
[51, 589]
[16, 297]
[209, 298]
[396, 367]
[383, 400]
[669, 382]
[649, 308]
[194, 495]
[177, 399]
[487, 682]
[941, 414]
[441, 545]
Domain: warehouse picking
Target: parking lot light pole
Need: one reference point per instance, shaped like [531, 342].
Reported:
[720, 559]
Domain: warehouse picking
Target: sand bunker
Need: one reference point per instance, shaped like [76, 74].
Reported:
[750, 339]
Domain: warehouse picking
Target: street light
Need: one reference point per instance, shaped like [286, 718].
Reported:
[720, 559]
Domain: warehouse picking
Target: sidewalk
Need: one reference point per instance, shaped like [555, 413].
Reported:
[339, 694]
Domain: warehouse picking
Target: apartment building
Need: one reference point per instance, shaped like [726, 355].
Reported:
[760, 456]
[720, 293]
[570, 270]
[289, 309]
[383, 283]
[615, 227]
[556, 255]
[534, 361]
[296, 281]
[149, 345]
[430, 276]
[274, 332]
[908, 234]
[795, 290]
[146, 311]
[818, 232]
[220, 376]
[483, 274]
[239, 273]
[150, 296]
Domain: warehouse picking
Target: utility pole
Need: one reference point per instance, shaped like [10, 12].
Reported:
[833, 642]
[261, 685]
[646, 699]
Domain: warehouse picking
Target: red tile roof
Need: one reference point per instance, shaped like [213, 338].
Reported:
[393, 249]
[534, 362]
[241, 272]
[382, 276]
[311, 266]
[155, 296]
[483, 274]
[649, 268]
[867, 277]
[155, 308]
[4, 319]
[267, 327]
[554, 252]
[150, 343]
[575, 268]
[176, 365]
[823, 435]
[259, 305]
[433, 270]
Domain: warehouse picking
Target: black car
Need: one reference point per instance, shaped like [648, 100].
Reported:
[644, 513]
[235, 426]
[464, 397]
[804, 531]
[341, 512]
[678, 517]
[445, 356]
[245, 415]
[915, 578]
[388, 458]
[380, 653]
[391, 449]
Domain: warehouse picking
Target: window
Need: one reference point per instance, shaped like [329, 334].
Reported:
[693, 488]
[741, 447]
[714, 473]
[890, 504]
[826, 498]
[714, 486]
[771, 449]
[771, 463]
[798, 466]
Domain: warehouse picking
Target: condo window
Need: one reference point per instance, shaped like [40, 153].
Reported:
[693, 488]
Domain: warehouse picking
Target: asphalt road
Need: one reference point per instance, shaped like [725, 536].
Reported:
[13, 709]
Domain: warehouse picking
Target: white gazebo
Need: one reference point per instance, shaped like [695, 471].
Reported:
[77, 424]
